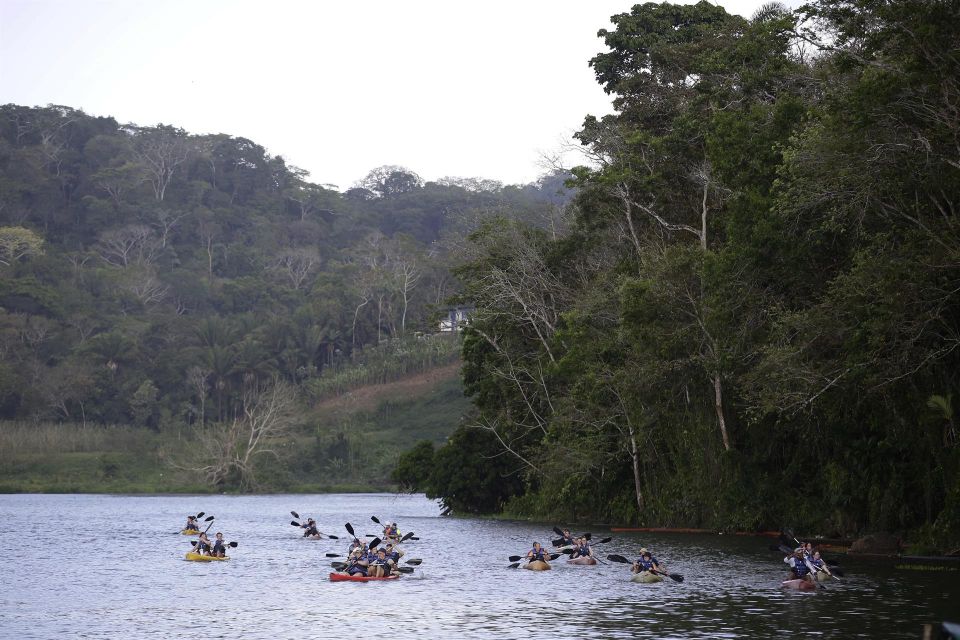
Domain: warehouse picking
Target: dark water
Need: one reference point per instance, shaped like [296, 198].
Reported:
[111, 567]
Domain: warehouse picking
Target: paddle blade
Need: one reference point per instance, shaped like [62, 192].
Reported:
[404, 569]
[414, 561]
[374, 542]
[200, 515]
[513, 566]
[414, 538]
[514, 558]
[408, 536]
[295, 523]
[567, 552]
[338, 565]
[295, 514]
[208, 519]
[613, 557]
[558, 531]
[676, 577]
[332, 555]
[557, 542]
[350, 529]
[333, 537]
[374, 518]
[602, 540]
[370, 535]
[234, 544]
[554, 556]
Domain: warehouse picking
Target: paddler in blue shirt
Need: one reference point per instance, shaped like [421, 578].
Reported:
[800, 567]
[582, 549]
[219, 550]
[646, 562]
[536, 553]
[192, 524]
[567, 540]
[380, 566]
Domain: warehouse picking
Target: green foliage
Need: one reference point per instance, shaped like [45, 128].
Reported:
[413, 468]
[753, 319]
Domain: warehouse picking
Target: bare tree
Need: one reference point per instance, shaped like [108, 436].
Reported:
[160, 151]
[132, 244]
[296, 265]
[230, 448]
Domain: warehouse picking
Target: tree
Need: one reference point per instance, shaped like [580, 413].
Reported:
[390, 181]
[17, 243]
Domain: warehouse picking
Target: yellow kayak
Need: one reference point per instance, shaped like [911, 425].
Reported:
[190, 532]
[645, 577]
[197, 557]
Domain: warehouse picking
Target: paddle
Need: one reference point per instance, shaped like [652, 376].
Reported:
[676, 577]
[414, 561]
[350, 529]
[295, 514]
[226, 544]
[332, 555]
[552, 556]
[328, 535]
[408, 536]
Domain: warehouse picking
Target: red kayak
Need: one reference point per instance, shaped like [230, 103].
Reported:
[343, 577]
[799, 585]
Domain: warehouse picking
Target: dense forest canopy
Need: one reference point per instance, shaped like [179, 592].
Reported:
[753, 319]
[153, 277]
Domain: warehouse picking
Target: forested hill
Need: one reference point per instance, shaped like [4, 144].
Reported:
[147, 273]
[754, 320]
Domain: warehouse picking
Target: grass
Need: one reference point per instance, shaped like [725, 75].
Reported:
[346, 448]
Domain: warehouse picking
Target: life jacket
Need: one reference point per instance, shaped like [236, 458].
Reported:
[646, 565]
[537, 555]
[800, 568]
[817, 564]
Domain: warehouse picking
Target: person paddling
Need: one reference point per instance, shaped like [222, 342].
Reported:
[356, 564]
[202, 546]
[818, 564]
[582, 549]
[800, 567]
[536, 553]
[192, 524]
[566, 540]
[646, 562]
[219, 548]
[380, 566]
[311, 529]
[391, 533]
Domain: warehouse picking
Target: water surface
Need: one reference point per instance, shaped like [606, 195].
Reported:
[93, 566]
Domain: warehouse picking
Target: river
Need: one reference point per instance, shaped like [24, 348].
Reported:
[103, 566]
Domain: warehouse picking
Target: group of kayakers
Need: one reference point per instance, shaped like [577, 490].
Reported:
[377, 559]
[806, 564]
[204, 546]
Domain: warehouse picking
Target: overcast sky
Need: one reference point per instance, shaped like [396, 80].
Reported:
[444, 88]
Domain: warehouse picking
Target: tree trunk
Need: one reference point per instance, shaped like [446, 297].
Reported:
[635, 455]
[718, 405]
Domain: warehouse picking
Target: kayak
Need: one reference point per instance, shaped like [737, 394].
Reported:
[197, 557]
[799, 585]
[345, 577]
[822, 576]
[645, 577]
[190, 532]
[583, 561]
[537, 565]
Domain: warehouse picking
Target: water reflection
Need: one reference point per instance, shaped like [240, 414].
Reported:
[112, 566]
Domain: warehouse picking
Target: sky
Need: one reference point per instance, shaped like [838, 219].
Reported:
[440, 87]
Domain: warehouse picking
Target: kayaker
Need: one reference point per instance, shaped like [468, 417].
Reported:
[380, 566]
[391, 532]
[192, 524]
[393, 553]
[582, 549]
[356, 544]
[536, 553]
[800, 567]
[311, 529]
[646, 562]
[818, 564]
[566, 540]
[219, 549]
[356, 565]
[202, 546]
